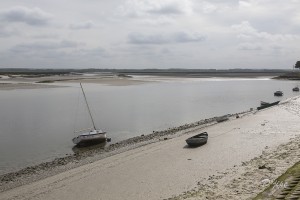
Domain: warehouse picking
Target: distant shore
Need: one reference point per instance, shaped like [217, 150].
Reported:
[39, 80]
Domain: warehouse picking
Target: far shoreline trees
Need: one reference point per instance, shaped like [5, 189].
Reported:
[297, 65]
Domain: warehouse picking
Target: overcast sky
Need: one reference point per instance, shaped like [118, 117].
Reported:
[149, 33]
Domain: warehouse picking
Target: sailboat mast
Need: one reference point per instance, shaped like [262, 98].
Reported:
[88, 107]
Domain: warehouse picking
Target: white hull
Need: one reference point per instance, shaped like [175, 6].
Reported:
[90, 137]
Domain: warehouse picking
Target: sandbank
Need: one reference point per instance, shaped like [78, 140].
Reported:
[31, 82]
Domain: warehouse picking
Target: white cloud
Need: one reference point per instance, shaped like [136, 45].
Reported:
[146, 8]
[246, 31]
[82, 25]
[167, 33]
[7, 32]
[178, 37]
[33, 17]
[249, 46]
[43, 46]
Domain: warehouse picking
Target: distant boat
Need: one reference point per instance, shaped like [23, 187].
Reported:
[222, 119]
[296, 89]
[197, 140]
[278, 93]
[267, 105]
[263, 103]
[92, 135]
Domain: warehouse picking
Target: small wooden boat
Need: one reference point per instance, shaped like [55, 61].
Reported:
[263, 103]
[222, 119]
[197, 140]
[278, 93]
[267, 105]
[296, 89]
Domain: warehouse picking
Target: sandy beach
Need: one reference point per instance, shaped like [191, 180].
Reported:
[240, 156]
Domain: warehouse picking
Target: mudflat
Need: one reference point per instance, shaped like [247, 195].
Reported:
[35, 82]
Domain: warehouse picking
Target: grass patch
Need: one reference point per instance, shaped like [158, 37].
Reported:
[280, 184]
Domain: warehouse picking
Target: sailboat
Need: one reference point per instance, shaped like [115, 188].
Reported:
[92, 135]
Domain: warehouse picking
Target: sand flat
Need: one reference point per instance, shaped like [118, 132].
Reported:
[20, 82]
[167, 168]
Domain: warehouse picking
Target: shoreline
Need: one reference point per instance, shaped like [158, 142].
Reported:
[241, 156]
[241, 176]
[13, 82]
[273, 139]
[91, 154]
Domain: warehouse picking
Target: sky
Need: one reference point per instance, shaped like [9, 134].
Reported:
[139, 34]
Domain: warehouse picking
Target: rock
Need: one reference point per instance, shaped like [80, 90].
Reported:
[262, 166]
[265, 181]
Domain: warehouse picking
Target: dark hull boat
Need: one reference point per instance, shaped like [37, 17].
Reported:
[222, 119]
[267, 105]
[296, 89]
[278, 93]
[197, 140]
[263, 103]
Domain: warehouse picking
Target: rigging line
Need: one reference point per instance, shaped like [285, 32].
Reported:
[88, 106]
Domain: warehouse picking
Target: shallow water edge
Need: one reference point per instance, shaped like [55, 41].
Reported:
[98, 152]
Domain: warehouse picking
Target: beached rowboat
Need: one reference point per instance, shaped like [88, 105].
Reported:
[267, 105]
[263, 103]
[296, 89]
[197, 140]
[278, 93]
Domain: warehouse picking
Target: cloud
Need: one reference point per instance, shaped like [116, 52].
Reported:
[249, 47]
[247, 32]
[178, 37]
[45, 36]
[82, 25]
[146, 8]
[6, 32]
[167, 9]
[33, 17]
[94, 52]
[43, 46]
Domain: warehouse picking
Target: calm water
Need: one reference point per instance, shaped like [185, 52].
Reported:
[37, 125]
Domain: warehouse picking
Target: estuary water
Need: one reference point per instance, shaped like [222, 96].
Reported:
[37, 125]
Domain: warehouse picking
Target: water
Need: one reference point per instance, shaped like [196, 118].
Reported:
[38, 125]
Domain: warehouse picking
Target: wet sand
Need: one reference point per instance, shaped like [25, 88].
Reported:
[38, 81]
[21, 82]
[239, 156]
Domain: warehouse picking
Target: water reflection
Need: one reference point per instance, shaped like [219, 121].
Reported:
[38, 125]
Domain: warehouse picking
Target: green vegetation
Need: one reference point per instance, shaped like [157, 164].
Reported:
[289, 76]
[281, 184]
[297, 65]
